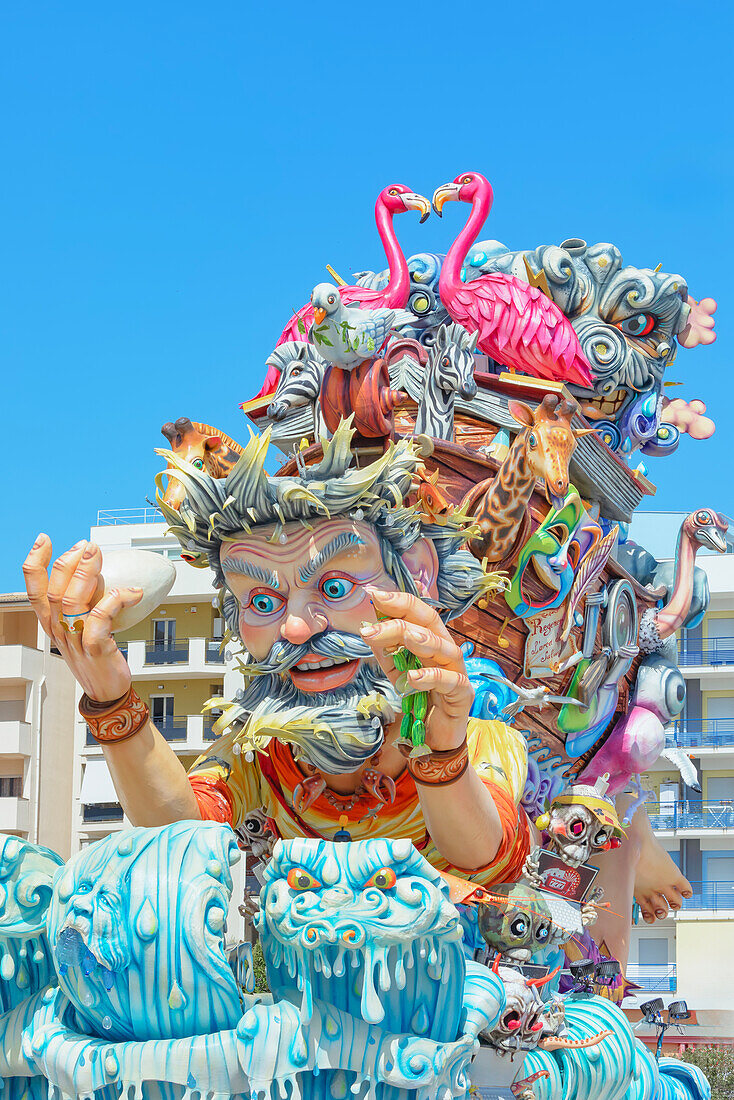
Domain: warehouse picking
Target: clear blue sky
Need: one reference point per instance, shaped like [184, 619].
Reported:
[176, 175]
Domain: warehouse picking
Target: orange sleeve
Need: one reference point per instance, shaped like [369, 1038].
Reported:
[515, 843]
[213, 798]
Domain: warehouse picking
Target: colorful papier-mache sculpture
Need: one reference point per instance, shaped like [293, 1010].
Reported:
[455, 667]
[130, 991]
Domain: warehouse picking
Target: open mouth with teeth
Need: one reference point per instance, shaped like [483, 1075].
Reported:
[605, 408]
[315, 673]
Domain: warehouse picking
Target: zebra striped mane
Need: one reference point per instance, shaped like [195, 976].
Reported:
[457, 334]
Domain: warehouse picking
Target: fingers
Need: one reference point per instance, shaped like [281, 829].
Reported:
[97, 637]
[421, 641]
[35, 573]
[442, 681]
[403, 605]
[61, 573]
[86, 584]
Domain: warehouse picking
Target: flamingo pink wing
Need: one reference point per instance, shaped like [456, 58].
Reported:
[521, 327]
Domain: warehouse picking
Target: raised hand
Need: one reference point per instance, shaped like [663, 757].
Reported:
[412, 624]
[78, 617]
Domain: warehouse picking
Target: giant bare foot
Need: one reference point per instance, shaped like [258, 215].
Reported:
[659, 885]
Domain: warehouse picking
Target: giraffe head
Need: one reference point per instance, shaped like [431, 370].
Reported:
[547, 442]
[203, 447]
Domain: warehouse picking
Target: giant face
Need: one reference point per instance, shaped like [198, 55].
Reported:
[300, 594]
[308, 585]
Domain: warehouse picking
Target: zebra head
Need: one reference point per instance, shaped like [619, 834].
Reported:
[301, 375]
[453, 360]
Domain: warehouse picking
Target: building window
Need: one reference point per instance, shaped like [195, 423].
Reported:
[110, 811]
[161, 708]
[653, 952]
[720, 788]
[11, 786]
[164, 633]
[162, 715]
[719, 868]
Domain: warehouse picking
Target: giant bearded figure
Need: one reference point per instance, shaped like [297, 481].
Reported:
[322, 576]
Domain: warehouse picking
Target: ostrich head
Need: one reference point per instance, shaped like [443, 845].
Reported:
[325, 301]
[464, 188]
[397, 198]
[707, 528]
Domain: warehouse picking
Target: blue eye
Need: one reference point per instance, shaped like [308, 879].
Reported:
[265, 604]
[336, 588]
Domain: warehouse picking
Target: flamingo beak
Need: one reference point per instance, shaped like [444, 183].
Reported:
[413, 201]
[319, 315]
[448, 192]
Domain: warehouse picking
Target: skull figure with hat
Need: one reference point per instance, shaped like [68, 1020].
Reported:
[581, 822]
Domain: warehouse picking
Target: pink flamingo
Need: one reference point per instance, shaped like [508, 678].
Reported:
[518, 324]
[392, 200]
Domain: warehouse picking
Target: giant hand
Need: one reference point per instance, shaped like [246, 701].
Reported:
[76, 620]
[412, 624]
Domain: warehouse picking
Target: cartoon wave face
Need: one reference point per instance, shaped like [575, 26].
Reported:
[367, 926]
[119, 909]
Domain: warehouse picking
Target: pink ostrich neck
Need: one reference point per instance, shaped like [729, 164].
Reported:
[450, 280]
[398, 285]
[670, 617]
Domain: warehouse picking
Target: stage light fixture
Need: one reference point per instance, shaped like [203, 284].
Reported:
[651, 1009]
[678, 1010]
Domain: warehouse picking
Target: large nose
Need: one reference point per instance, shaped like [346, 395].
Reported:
[336, 897]
[304, 619]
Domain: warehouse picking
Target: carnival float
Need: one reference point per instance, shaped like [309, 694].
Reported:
[456, 666]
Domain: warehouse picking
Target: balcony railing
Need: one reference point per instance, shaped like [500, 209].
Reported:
[711, 895]
[214, 654]
[715, 733]
[113, 517]
[172, 729]
[651, 977]
[158, 653]
[716, 651]
[691, 815]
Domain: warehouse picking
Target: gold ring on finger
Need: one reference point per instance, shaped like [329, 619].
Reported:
[74, 623]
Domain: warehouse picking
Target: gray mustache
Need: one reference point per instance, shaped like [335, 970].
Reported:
[332, 643]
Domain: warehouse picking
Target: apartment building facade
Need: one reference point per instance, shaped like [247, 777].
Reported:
[37, 697]
[690, 955]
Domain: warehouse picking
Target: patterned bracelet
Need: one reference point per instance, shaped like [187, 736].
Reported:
[115, 721]
[440, 767]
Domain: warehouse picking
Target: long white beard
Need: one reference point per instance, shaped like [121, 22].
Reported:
[339, 733]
